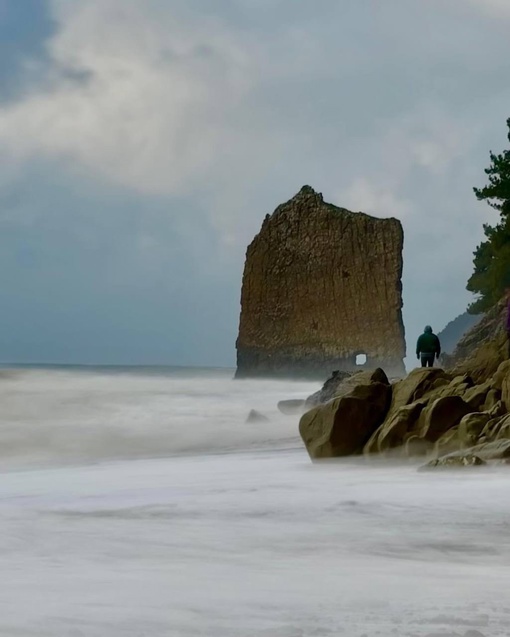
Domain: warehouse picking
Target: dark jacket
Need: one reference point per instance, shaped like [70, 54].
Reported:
[428, 343]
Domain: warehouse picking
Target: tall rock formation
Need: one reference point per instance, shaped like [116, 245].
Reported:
[321, 286]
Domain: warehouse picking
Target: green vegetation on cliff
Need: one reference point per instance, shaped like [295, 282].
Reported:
[491, 261]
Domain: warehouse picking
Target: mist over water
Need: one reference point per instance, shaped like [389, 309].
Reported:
[67, 415]
[139, 502]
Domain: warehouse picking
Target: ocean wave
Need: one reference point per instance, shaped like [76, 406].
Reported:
[68, 415]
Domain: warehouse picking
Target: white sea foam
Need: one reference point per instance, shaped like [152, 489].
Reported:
[256, 542]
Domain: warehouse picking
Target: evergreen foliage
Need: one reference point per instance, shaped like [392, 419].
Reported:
[491, 261]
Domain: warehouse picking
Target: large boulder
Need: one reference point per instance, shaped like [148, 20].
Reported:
[471, 427]
[440, 416]
[415, 385]
[341, 383]
[400, 421]
[343, 426]
[392, 432]
[476, 396]
[329, 390]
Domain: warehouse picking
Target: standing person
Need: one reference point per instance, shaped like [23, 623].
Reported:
[428, 347]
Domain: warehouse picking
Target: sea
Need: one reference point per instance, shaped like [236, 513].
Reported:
[139, 502]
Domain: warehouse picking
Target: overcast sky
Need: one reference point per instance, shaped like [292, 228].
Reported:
[142, 142]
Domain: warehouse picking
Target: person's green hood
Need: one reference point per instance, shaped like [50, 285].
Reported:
[428, 343]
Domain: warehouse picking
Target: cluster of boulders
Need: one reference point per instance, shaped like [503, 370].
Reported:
[449, 418]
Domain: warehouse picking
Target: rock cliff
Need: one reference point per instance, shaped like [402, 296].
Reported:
[481, 350]
[454, 332]
[321, 286]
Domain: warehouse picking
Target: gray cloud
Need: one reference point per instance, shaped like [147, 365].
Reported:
[137, 173]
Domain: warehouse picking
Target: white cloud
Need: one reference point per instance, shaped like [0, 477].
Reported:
[377, 199]
[156, 104]
[167, 103]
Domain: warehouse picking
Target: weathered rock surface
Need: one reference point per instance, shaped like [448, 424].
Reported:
[476, 455]
[321, 285]
[492, 399]
[497, 428]
[447, 443]
[407, 404]
[452, 461]
[416, 447]
[483, 348]
[440, 416]
[342, 383]
[477, 395]
[471, 427]
[395, 428]
[329, 389]
[459, 417]
[416, 385]
[499, 377]
[456, 330]
[496, 450]
[342, 426]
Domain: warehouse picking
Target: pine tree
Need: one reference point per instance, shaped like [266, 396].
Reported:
[491, 261]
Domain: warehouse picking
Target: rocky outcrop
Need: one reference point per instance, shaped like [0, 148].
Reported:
[343, 426]
[454, 417]
[331, 388]
[321, 286]
[483, 348]
[453, 460]
[451, 335]
[481, 454]
[394, 431]
[449, 421]
[410, 396]
[440, 416]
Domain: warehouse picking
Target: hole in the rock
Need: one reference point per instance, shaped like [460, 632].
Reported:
[361, 359]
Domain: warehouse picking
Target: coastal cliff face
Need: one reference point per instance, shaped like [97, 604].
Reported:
[321, 285]
[483, 348]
